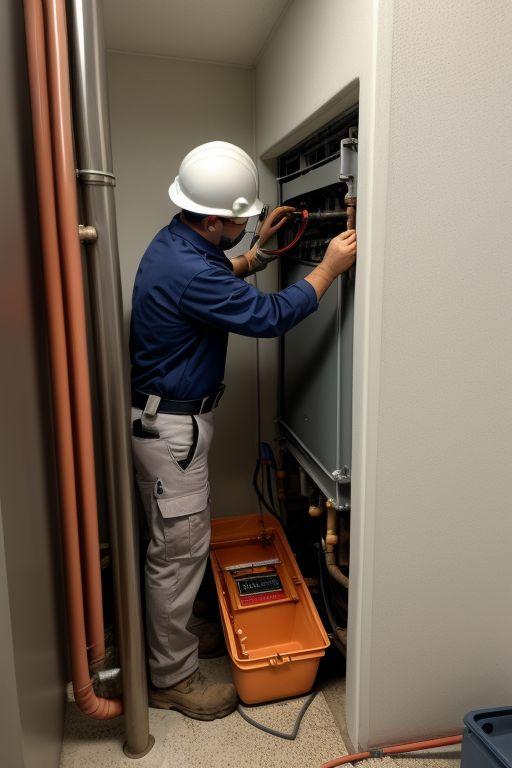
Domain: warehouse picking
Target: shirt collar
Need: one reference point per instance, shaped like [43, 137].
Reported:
[200, 243]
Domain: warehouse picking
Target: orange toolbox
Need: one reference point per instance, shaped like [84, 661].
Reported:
[274, 635]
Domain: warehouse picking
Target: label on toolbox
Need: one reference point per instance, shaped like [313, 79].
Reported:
[260, 588]
[266, 597]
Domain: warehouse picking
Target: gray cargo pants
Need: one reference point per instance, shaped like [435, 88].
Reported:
[172, 477]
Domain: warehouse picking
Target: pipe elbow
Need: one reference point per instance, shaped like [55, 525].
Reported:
[335, 572]
[95, 706]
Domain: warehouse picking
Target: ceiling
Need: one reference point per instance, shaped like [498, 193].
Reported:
[223, 31]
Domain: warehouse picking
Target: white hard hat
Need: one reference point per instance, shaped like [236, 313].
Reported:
[217, 179]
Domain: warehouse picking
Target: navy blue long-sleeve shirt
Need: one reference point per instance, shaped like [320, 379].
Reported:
[186, 300]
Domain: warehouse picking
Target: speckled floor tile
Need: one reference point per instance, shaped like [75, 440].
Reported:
[232, 743]
[226, 743]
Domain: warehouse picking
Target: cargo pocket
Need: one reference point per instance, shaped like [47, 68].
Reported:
[187, 536]
[185, 504]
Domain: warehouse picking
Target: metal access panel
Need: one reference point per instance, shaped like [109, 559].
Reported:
[315, 413]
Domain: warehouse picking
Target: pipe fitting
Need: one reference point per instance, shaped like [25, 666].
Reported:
[87, 233]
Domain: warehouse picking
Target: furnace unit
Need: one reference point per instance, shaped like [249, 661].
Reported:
[315, 381]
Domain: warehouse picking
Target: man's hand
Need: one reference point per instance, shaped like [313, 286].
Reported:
[341, 252]
[273, 223]
[339, 256]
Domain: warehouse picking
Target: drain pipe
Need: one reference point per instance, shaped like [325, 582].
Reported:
[97, 190]
[85, 697]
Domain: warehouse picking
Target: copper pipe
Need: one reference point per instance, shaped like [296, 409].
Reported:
[397, 749]
[67, 219]
[82, 685]
[351, 203]
[331, 539]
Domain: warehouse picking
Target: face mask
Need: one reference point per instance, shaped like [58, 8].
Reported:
[225, 243]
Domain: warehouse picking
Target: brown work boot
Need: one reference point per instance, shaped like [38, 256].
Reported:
[211, 640]
[196, 697]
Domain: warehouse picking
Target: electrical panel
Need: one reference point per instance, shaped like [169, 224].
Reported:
[315, 398]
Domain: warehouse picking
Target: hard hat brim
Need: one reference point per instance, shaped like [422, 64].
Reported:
[182, 201]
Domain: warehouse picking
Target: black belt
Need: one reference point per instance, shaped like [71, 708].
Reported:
[201, 405]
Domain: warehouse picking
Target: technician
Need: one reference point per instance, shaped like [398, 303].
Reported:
[187, 297]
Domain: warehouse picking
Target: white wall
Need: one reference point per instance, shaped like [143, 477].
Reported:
[306, 66]
[439, 623]
[160, 109]
[429, 624]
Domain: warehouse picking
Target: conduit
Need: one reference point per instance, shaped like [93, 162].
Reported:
[97, 180]
[85, 697]
[71, 265]
[397, 749]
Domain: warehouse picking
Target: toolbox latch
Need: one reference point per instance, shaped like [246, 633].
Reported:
[278, 660]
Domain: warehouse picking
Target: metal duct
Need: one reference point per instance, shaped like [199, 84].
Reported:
[97, 182]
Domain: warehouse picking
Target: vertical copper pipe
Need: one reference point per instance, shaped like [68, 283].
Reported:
[351, 203]
[67, 218]
[84, 694]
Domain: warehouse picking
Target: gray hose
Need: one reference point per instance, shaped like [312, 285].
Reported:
[290, 736]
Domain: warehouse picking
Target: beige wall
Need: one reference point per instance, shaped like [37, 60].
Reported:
[438, 625]
[160, 109]
[305, 68]
[432, 448]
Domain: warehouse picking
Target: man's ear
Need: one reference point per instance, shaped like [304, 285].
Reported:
[210, 223]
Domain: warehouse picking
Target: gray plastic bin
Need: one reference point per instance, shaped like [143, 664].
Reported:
[487, 741]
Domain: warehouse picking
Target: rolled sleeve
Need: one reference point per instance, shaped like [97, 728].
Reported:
[219, 298]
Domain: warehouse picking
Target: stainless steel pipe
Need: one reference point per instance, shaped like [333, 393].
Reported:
[97, 186]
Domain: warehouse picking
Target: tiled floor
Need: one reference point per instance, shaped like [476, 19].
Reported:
[231, 743]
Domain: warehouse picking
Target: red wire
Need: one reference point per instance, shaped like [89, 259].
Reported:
[284, 249]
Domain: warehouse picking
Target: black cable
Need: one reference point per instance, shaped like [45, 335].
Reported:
[280, 735]
[259, 494]
[269, 486]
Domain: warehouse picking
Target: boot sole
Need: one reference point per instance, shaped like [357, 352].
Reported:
[196, 716]
[158, 704]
